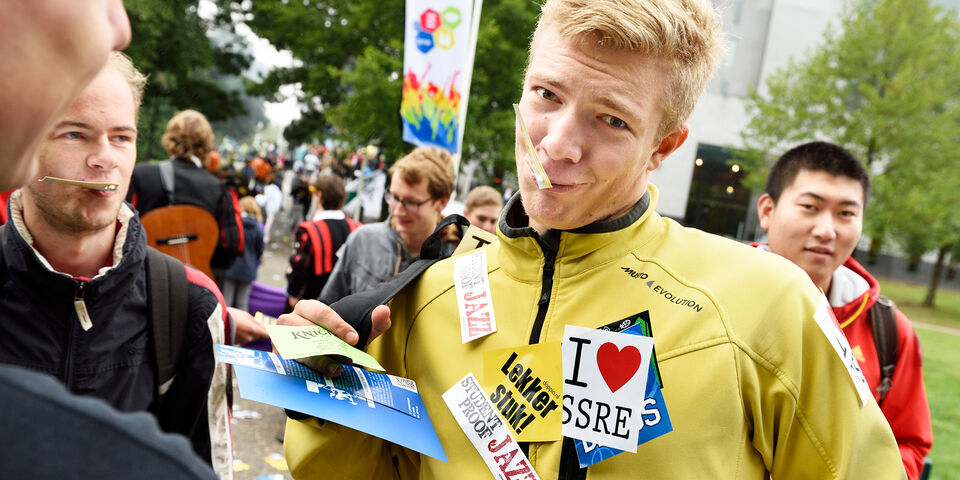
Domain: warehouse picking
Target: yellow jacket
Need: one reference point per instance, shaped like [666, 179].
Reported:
[751, 383]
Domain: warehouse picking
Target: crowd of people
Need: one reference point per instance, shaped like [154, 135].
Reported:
[791, 365]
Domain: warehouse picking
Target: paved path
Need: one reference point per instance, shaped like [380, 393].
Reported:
[937, 328]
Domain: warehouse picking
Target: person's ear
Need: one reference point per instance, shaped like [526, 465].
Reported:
[668, 145]
[765, 206]
[442, 202]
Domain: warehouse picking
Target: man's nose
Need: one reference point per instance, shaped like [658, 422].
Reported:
[825, 229]
[102, 155]
[119, 24]
[564, 137]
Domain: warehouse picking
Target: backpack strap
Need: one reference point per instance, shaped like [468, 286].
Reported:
[883, 322]
[167, 289]
[166, 179]
[353, 224]
[316, 243]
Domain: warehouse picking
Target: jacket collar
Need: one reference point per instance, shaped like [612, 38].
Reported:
[579, 249]
[27, 266]
[852, 292]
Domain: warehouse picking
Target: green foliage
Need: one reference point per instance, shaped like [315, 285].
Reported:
[171, 44]
[884, 86]
[350, 72]
[940, 357]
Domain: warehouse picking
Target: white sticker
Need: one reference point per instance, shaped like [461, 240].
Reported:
[840, 345]
[473, 296]
[487, 432]
[604, 373]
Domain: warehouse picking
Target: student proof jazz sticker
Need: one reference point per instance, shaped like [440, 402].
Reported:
[473, 296]
[604, 373]
[489, 435]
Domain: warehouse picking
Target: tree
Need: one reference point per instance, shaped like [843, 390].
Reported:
[884, 86]
[350, 67]
[186, 67]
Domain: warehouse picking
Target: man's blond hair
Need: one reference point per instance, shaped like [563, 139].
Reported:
[188, 134]
[136, 80]
[434, 165]
[686, 34]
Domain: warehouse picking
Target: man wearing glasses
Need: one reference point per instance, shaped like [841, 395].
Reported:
[420, 186]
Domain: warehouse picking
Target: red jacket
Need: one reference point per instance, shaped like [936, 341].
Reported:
[852, 292]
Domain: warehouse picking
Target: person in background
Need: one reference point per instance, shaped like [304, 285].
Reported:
[238, 280]
[189, 140]
[753, 383]
[271, 200]
[482, 207]
[318, 241]
[420, 187]
[812, 210]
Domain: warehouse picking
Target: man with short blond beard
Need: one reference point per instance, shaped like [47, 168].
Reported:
[74, 292]
[751, 380]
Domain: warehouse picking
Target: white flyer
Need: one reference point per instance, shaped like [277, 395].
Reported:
[487, 432]
[474, 300]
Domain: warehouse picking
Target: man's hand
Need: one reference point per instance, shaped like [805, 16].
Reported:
[313, 312]
[248, 328]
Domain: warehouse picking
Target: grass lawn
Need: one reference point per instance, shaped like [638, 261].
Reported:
[941, 355]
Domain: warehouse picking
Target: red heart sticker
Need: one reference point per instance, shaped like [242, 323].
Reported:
[617, 366]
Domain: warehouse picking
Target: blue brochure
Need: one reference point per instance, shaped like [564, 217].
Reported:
[375, 403]
[656, 420]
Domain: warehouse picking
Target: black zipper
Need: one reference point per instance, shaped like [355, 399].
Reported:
[550, 258]
[71, 328]
[569, 465]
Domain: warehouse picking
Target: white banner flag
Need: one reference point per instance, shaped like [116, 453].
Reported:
[439, 42]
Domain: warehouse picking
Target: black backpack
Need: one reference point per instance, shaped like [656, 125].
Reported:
[167, 288]
[883, 322]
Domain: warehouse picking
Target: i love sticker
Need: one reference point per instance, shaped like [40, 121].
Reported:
[604, 373]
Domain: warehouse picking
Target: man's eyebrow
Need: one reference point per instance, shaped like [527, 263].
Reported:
[71, 123]
[822, 199]
[85, 126]
[612, 102]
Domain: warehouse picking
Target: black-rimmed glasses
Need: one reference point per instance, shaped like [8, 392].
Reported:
[408, 205]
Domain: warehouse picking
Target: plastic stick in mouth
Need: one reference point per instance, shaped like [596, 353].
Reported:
[538, 172]
[91, 185]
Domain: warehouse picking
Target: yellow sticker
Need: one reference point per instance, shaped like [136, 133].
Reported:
[525, 386]
[276, 461]
[240, 466]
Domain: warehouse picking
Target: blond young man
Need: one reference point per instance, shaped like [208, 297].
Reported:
[74, 266]
[752, 383]
[482, 207]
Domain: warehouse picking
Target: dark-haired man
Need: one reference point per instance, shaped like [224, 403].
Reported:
[812, 209]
